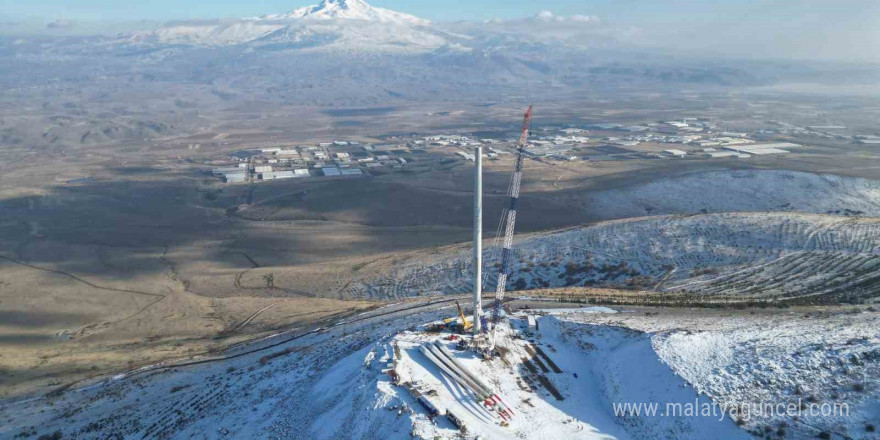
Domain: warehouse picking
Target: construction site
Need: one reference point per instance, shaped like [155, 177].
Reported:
[529, 373]
[447, 373]
[331, 220]
[453, 369]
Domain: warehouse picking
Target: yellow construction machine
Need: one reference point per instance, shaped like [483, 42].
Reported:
[465, 324]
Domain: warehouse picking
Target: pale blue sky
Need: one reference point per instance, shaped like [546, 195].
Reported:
[176, 9]
[440, 10]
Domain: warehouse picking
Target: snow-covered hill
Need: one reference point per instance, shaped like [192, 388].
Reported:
[727, 235]
[812, 362]
[723, 256]
[331, 383]
[742, 191]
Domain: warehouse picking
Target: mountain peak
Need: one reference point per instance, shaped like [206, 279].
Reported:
[348, 10]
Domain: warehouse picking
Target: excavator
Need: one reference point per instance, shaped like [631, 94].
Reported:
[465, 324]
[453, 324]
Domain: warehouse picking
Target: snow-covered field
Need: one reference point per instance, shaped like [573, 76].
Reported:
[332, 384]
[742, 191]
[739, 255]
[742, 359]
[312, 387]
[618, 366]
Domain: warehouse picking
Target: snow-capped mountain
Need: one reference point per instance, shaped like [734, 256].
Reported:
[337, 25]
[348, 10]
[205, 33]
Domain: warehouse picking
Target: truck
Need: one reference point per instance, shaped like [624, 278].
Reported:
[455, 420]
[432, 409]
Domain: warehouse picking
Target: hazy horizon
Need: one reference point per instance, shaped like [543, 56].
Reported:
[812, 29]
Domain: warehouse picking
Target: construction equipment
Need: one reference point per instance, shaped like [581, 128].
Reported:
[453, 324]
[438, 327]
[510, 221]
[433, 410]
[456, 421]
[465, 324]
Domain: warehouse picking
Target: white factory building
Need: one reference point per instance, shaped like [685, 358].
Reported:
[715, 154]
[763, 149]
[235, 177]
[278, 175]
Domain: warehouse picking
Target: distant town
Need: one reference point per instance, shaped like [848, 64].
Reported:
[686, 138]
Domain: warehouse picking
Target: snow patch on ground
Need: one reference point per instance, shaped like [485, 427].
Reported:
[776, 358]
[724, 255]
[574, 310]
[741, 191]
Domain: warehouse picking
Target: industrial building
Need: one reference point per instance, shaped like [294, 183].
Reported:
[288, 162]
[763, 149]
[238, 177]
[868, 140]
[715, 154]
[226, 170]
[604, 126]
[278, 175]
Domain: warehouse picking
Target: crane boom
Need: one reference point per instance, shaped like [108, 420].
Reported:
[510, 221]
[465, 324]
